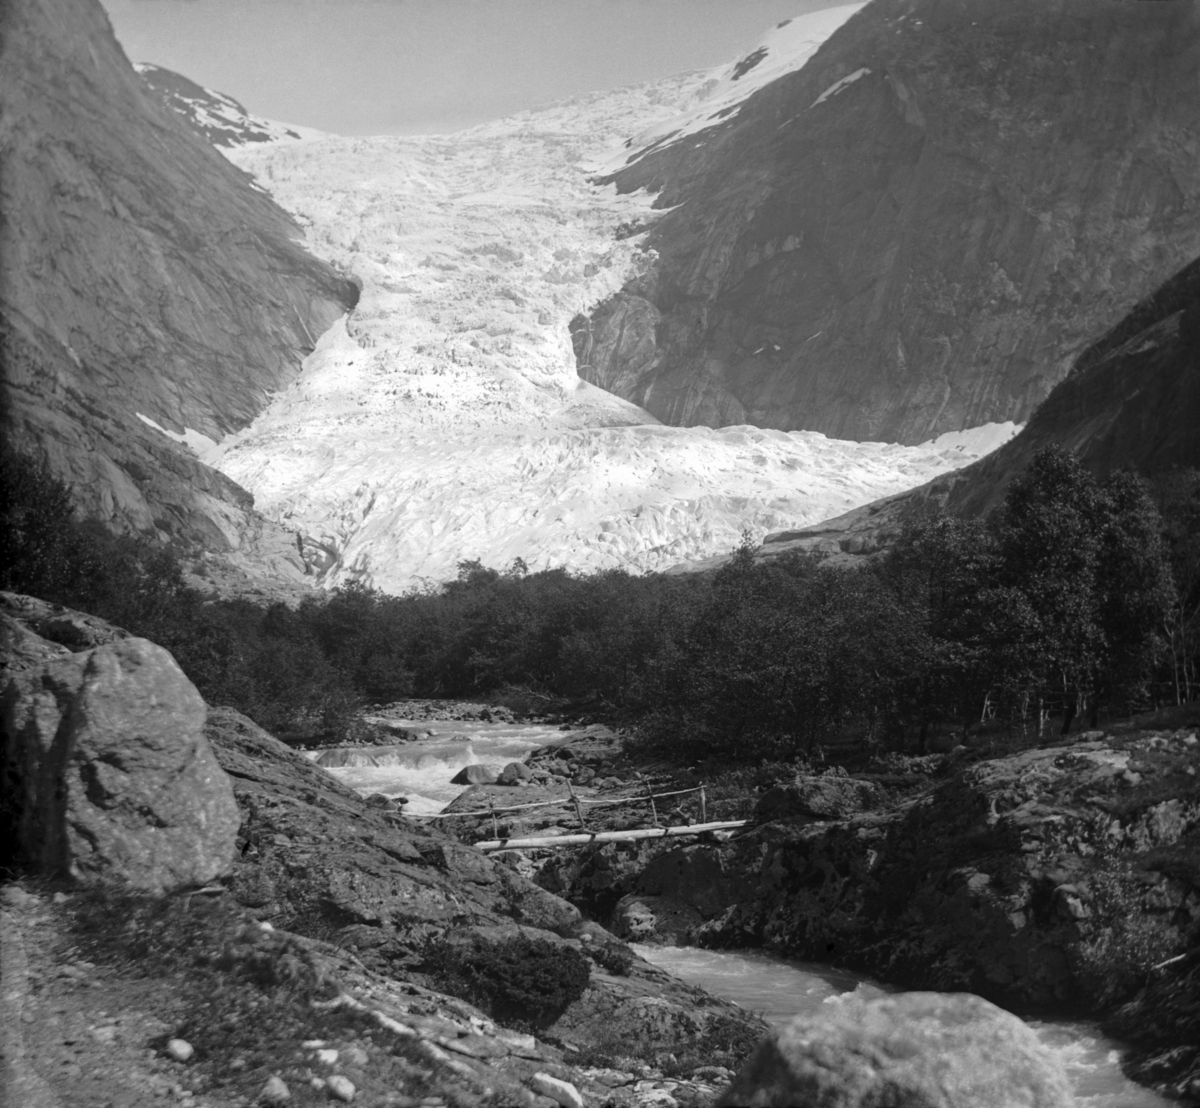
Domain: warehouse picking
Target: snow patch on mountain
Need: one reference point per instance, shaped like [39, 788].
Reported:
[838, 86]
[782, 50]
[444, 419]
[221, 119]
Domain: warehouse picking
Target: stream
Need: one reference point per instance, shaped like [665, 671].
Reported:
[777, 988]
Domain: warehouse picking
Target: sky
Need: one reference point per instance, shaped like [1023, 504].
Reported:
[361, 67]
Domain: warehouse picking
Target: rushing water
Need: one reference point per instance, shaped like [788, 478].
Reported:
[776, 987]
[780, 989]
[421, 769]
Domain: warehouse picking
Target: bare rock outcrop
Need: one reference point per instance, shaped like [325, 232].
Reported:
[917, 231]
[916, 1050]
[141, 274]
[106, 772]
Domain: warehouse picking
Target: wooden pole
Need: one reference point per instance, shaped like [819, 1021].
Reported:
[653, 809]
[703, 806]
[552, 842]
[575, 801]
[495, 825]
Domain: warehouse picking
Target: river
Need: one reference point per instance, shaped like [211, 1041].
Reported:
[777, 988]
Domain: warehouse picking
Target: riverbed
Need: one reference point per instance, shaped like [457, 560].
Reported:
[421, 769]
[777, 988]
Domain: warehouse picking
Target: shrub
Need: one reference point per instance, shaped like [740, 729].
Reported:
[518, 981]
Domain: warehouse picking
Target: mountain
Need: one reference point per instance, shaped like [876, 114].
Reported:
[217, 118]
[445, 419]
[1131, 401]
[916, 231]
[149, 294]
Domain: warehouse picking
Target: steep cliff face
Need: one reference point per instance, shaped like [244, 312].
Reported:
[140, 275]
[920, 229]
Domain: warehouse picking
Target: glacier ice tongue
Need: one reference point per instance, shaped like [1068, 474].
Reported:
[444, 419]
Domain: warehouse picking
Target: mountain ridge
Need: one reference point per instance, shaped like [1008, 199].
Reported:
[924, 247]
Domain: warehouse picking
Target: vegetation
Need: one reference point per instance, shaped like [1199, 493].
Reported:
[1080, 598]
[517, 980]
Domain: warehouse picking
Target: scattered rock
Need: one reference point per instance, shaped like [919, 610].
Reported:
[477, 774]
[914, 1050]
[561, 1091]
[180, 1050]
[818, 798]
[514, 772]
[275, 1092]
[342, 1088]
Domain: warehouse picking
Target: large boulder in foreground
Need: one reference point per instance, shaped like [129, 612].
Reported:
[107, 774]
[914, 1050]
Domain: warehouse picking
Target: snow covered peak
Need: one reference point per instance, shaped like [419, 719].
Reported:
[782, 50]
[219, 118]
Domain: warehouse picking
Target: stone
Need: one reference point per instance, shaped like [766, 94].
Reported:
[180, 1050]
[131, 330]
[913, 1050]
[813, 797]
[275, 1092]
[339, 1088]
[111, 776]
[561, 1091]
[514, 772]
[474, 775]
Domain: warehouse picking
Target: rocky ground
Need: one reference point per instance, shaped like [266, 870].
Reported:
[345, 946]
[1062, 878]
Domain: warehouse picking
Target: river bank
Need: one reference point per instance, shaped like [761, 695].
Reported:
[1057, 880]
[338, 939]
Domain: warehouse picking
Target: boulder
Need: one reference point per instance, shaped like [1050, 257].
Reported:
[914, 1050]
[474, 775]
[107, 773]
[514, 772]
[820, 798]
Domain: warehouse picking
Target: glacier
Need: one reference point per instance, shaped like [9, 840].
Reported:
[444, 419]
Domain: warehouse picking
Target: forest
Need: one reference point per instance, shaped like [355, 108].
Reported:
[1076, 602]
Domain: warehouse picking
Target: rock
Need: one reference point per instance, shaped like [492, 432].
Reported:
[339, 1088]
[131, 328]
[914, 1050]
[561, 1091]
[514, 772]
[110, 774]
[823, 798]
[180, 1050]
[408, 883]
[275, 1092]
[745, 316]
[474, 775]
[327, 1056]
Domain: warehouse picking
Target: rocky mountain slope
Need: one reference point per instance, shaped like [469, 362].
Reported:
[144, 283]
[1131, 401]
[919, 229]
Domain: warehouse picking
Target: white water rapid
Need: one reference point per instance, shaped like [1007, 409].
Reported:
[421, 769]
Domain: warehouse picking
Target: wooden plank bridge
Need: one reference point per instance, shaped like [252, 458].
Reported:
[584, 837]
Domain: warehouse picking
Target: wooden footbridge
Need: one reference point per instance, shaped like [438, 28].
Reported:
[657, 829]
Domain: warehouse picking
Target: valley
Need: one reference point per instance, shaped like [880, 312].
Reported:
[798, 455]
